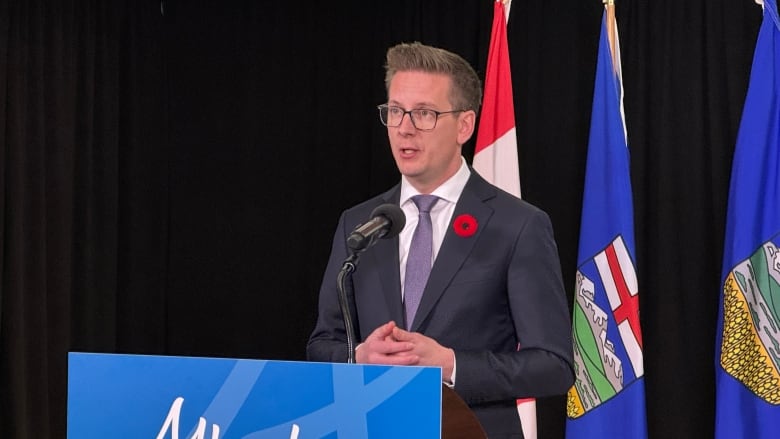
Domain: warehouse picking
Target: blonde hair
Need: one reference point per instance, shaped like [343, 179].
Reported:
[466, 91]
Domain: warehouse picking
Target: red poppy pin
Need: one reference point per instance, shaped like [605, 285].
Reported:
[465, 225]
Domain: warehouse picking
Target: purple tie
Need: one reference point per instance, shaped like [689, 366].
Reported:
[418, 262]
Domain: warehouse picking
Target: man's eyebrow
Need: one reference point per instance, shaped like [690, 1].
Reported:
[418, 105]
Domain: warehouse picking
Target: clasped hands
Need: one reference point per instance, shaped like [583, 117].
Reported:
[391, 345]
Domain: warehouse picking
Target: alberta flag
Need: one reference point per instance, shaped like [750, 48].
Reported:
[608, 396]
[747, 348]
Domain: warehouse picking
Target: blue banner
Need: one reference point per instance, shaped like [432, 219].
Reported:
[138, 396]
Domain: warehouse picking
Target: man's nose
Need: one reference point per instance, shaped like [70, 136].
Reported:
[407, 126]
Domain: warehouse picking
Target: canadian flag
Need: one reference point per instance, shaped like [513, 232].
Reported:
[495, 154]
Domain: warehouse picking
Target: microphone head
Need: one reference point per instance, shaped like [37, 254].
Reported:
[386, 221]
[395, 216]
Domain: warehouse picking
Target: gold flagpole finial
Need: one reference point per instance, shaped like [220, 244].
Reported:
[507, 4]
[608, 2]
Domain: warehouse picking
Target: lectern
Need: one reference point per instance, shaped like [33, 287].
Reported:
[115, 395]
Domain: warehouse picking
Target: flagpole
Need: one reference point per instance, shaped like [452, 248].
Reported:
[495, 152]
[611, 29]
[526, 407]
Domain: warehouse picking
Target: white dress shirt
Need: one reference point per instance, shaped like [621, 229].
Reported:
[441, 213]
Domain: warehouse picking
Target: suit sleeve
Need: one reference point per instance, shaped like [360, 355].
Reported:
[540, 314]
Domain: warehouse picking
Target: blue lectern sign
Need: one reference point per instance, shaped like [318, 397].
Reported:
[140, 396]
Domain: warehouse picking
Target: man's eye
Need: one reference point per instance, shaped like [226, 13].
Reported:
[395, 111]
[425, 113]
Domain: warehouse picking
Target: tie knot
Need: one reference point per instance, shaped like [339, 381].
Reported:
[425, 203]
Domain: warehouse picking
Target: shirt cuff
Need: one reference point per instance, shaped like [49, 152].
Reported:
[451, 384]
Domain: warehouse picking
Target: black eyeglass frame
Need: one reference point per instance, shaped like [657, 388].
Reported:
[438, 114]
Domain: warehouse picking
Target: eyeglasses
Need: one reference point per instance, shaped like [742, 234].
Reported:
[422, 118]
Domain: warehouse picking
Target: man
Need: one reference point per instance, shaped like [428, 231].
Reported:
[495, 281]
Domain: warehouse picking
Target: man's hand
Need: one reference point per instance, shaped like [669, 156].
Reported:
[381, 347]
[391, 345]
[427, 351]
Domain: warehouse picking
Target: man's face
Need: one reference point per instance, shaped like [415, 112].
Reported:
[427, 158]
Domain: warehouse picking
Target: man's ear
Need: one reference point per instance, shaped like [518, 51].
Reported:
[466, 125]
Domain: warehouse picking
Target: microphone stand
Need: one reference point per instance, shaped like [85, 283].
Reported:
[347, 268]
[386, 218]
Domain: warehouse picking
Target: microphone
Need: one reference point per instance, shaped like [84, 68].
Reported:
[387, 221]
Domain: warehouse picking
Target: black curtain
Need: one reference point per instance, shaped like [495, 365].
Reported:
[171, 172]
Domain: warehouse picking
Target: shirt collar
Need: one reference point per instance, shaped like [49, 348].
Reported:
[450, 190]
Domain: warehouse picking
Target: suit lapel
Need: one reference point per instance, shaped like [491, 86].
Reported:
[386, 259]
[454, 249]
[384, 256]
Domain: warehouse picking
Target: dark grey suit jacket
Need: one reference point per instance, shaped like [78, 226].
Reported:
[487, 294]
